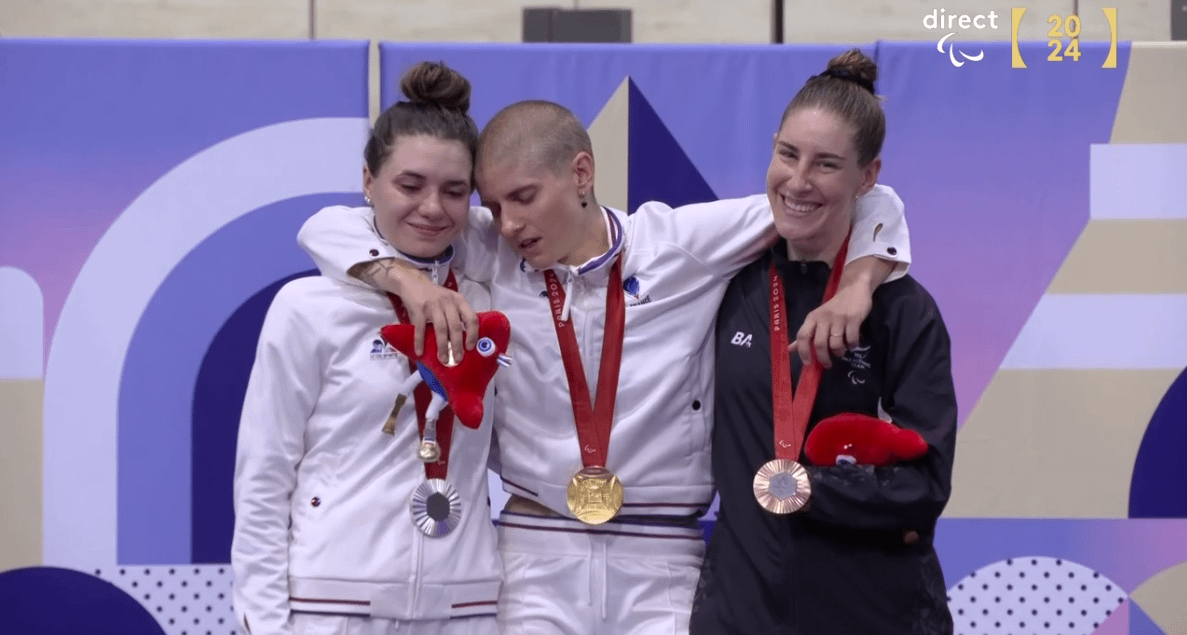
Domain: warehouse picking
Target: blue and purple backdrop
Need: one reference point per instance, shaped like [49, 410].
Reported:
[150, 194]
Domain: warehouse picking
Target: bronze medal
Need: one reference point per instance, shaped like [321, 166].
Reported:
[782, 486]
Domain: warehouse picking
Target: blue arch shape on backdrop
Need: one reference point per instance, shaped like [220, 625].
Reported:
[1158, 488]
[54, 601]
[218, 401]
[157, 388]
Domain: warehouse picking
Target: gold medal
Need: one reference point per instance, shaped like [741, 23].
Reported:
[595, 495]
[782, 486]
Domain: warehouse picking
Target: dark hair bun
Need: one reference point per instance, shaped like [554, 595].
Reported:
[436, 83]
[855, 63]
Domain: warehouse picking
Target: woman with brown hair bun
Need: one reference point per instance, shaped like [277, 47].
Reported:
[340, 527]
[831, 548]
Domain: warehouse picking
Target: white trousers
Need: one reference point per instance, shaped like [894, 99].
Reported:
[310, 624]
[562, 577]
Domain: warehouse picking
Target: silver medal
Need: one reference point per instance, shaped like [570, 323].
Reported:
[436, 507]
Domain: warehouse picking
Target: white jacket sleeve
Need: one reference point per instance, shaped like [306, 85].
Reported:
[880, 229]
[723, 235]
[337, 238]
[281, 393]
[729, 234]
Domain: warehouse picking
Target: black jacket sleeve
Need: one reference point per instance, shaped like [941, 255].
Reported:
[918, 394]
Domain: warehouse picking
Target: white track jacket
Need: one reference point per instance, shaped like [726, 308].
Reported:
[677, 264]
[322, 518]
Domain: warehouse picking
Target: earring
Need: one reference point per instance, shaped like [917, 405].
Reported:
[367, 199]
[581, 195]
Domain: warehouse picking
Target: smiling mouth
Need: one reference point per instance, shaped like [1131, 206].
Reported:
[800, 207]
[529, 243]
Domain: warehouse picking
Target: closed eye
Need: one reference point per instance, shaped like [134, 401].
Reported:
[524, 195]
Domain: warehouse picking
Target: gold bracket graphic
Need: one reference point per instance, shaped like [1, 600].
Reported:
[1015, 21]
[1111, 16]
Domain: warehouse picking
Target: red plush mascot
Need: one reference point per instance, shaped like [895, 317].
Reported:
[459, 385]
[862, 440]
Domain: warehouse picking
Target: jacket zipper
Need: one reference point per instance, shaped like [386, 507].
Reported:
[418, 540]
[591, 362]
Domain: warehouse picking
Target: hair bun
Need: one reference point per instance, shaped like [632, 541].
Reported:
[436, 83]
[855, 64]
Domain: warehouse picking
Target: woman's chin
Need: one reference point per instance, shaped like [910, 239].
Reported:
[424, 249]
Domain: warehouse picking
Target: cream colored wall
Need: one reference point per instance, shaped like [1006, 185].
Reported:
[691, 21]
[653, 21]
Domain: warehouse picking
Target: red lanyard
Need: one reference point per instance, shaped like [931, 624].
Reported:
[792, 412]
[593, 421]
[439, 468]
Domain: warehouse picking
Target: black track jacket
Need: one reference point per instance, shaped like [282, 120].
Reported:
[846, 565]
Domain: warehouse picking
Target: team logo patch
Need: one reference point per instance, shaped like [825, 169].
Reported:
[382, 350]
[859, 364]
[631, 286]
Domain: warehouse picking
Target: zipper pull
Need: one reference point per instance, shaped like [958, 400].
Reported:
[803, 266]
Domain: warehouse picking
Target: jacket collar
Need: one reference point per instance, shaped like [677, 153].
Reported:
[437, 268]
[598, 265]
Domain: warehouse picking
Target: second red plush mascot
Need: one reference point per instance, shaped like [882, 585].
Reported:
[862, 440]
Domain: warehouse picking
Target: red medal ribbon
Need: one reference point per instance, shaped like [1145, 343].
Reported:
[592, 421]
[424, 394]
[792, 412]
